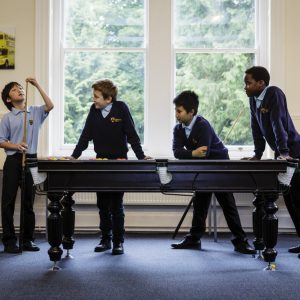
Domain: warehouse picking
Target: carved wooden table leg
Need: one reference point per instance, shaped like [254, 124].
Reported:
[68, 218]
[270, 229]
[257, 218]
[54, 224]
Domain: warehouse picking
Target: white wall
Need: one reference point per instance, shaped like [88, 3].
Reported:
[284, 52]
[19, 14]
[284, 60]
[292, 59]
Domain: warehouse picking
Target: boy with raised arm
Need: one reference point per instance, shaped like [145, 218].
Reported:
[11, 139]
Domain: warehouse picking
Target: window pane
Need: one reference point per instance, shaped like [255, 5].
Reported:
[82, 69]
[215, 24]
[218, 80]
[104, 23]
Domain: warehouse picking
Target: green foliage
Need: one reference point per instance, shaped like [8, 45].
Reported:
[105, 23]
[214, 23]
[102, 24]
[96, 29]
[84, 68]
[218, 80]
[217, 77]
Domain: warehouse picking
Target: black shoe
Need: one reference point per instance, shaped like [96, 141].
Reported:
[117, 248]
[295, 249]
[187, 243]
[244, 248]
[103, 246]
[11, 248]
[30, 246]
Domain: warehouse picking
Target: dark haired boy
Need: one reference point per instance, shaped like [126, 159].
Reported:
[110, 126]
[194, 138]
[271, 122]
[11, 139]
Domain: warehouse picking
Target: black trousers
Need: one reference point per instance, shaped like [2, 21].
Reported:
[12, 177]
[112, 215]
[227, 202]
[292, 201]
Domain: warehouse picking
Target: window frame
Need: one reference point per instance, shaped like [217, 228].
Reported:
[159, 88]
[260, 51]
[59, 51]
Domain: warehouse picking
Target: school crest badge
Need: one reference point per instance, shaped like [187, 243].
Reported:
[115, 120]
[264, 110]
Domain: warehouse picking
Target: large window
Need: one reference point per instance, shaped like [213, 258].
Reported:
[215, 42]
[100, 39]
[152, 50]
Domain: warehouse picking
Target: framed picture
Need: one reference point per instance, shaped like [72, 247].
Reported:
[7, 48]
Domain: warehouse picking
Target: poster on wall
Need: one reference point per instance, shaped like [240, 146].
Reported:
[7, 48]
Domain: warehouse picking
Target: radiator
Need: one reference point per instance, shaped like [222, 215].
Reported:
[139, 198]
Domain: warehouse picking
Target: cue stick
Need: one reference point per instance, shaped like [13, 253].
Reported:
[24, 129]
[23, 183]
[233, 125]
[183, 217]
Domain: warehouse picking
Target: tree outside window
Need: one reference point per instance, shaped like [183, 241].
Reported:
[214, 44]
[103, 39]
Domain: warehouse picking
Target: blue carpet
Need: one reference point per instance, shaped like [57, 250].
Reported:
[150, 269]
